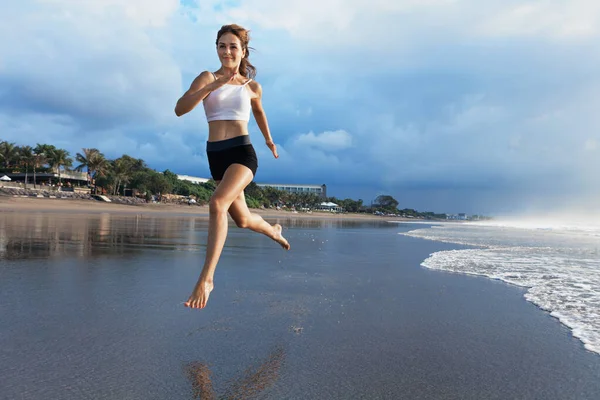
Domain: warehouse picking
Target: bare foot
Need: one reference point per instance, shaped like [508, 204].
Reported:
[279, 238]
[199, 296]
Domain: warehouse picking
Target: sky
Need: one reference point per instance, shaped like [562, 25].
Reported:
[484, 107]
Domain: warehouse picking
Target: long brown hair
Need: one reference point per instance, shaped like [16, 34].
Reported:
[247, 70]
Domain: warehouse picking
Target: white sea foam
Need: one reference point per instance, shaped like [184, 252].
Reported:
[559, 264]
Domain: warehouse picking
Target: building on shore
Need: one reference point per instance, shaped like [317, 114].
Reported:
[319, 190]
[66, 179]
[329, 206]
[457, 217]
[193, 179]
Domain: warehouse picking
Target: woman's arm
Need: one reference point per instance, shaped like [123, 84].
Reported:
[199, 89]
[261, 117]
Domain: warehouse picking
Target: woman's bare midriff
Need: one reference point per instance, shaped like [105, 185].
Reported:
[222, 130]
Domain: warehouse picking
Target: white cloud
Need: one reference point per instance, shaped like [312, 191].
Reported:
[402, 24]
[91, 60]
[154, 13]
[482, 141]
[591, 144]
[549, 18]
[327, 141]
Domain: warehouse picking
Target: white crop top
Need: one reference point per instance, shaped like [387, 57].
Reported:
[229, 102]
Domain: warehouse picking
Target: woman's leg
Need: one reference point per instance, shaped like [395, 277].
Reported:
[245, 219]
[235, 179]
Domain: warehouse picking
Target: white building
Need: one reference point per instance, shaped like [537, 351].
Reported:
[193, 179]
[329, 206]
[319, 190]
[459, 217]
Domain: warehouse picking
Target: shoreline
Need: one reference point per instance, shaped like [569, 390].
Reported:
[39, 204]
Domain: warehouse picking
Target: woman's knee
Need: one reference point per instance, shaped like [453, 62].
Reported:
[216, 205]
[241, 221]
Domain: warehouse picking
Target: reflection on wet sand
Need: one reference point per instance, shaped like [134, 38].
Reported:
[43, 235]
[199, 374]
[317, 223]
[254, 380]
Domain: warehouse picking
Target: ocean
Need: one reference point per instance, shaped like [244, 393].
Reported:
[558, 263]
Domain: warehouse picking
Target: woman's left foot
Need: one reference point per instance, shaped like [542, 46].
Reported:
[279, 237]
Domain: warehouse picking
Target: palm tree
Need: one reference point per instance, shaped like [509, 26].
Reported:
[85, 160]
[26, 159]
[100, 166]
[47, 149]
[94, 162]
[60, 158]
[274, 196]
[9, 153]
[38, 159]
[135, 164]
[122, 169]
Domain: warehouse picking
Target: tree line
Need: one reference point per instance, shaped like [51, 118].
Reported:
[129, 175]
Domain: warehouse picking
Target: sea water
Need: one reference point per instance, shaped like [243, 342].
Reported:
[558, 263]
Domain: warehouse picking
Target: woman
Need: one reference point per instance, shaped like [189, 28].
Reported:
[228, 95]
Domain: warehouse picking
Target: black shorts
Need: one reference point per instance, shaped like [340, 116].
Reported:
[223, 153]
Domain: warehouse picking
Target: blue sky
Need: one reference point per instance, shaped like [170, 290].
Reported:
[447, 105]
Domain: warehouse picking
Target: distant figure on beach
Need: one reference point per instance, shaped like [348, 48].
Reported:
[228, 95]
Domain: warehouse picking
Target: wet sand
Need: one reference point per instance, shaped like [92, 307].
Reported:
[91, 307]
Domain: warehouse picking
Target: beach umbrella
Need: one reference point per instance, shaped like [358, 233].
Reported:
[5, 178]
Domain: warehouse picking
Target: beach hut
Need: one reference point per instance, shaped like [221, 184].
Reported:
[329, 206]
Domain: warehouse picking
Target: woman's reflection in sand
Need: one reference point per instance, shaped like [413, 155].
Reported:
[199, 374]
[255, 379]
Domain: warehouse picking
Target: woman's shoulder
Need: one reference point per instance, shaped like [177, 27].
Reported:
[204, 78]
[206, 75]
[255, 86]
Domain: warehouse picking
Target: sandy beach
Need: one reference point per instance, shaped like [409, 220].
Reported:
[27, 204]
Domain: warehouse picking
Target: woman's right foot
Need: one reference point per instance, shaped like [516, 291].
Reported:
[199, 296]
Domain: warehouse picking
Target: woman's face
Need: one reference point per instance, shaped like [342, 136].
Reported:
[229, 49]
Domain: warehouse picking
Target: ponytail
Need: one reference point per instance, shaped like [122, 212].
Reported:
[247, 70]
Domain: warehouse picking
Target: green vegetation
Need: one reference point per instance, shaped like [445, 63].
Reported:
[129, 176]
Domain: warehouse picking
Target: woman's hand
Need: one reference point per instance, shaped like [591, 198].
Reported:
[227, 77]
[273, 148]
